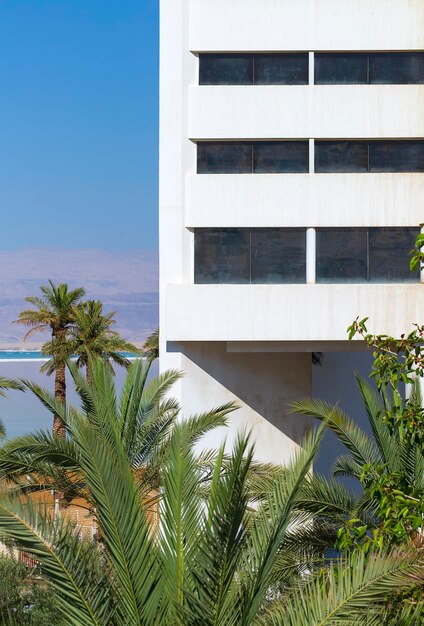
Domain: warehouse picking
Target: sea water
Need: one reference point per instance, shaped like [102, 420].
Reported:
[22, 412]
[35, 355]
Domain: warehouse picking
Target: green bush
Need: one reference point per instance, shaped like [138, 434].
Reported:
[25, 598]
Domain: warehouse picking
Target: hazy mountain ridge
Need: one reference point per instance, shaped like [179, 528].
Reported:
[126, 282]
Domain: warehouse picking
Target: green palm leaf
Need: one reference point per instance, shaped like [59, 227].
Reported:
[268, 531]
[71, 566]
[384, 439]
[352, 593]
[361, 447]
[216, 600]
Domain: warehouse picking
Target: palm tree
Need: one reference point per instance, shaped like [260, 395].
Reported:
[54, 312]
[143, 412]
[151, 346]
[385, 448]
[92, 334]
[211, 563]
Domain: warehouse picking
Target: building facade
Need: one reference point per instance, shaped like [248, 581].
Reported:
[291, 191]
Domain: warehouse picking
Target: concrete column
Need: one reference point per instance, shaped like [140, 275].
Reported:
[311, 68]
[311, 256]
[311, 156]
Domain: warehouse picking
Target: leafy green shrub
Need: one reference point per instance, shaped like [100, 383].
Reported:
[25, 599]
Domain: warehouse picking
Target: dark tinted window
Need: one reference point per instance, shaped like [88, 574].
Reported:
[341, 255]
[281, 69]
[242, 157]
[224, 157]
[376, 255]
[396, 156]
[396, 68]
[278, 255]
[280, 156]
[389, 250]
[341, 69]
[341, 156]
[225, 69]
[222, 255]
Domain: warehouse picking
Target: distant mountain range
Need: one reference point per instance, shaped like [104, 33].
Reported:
[126, 282]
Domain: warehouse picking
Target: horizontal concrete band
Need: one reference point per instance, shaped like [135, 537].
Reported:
[272, 25]
[303, 112]
[271, 200]
[288, 312]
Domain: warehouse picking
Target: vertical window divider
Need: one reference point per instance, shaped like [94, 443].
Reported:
[253, 69]
[251, 157]
[192, 260]
[311, 156]
[368, 69]
[368, 255]
[368, 157]
[311, 79]
[311, 256]
[250, 256]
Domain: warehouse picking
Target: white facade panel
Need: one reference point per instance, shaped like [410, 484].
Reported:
[271, 25]
[288, 312]
[266, 200]
[197, 321]
[303, 112]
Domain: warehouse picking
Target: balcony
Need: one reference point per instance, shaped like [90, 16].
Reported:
[288, 313]
[306, 111]
[238, 25]
[233, 200]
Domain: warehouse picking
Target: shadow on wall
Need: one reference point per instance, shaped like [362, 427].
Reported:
[335, 382]
[264, 384]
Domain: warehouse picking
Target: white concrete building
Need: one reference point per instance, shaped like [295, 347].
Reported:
[291, 190]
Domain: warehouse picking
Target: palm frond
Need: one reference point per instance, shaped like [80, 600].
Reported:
[143, 407]
[180, 521]
[224, 539]
[326, 497]
[345, 465]
[123, 525]
[9, 383]
[71, 566]
[352, 592]
[198, 425]
[48, 400]
[268, 531]
[361, 447]
[384, 439]
[36, 453]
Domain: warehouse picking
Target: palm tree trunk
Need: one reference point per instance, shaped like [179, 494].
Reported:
[88, 376]
[60, 394]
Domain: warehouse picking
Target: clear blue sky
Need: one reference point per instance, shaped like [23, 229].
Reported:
[78, 123]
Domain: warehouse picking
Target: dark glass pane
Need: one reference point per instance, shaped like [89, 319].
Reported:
[224, 157]
[281, 69]
[222, 255]
[278, 255]
[389, 254]
[225, 69]
[280, 156]
[341, 69]
[397, 156]
[341, 156]
[341, 255]
[397, 68]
